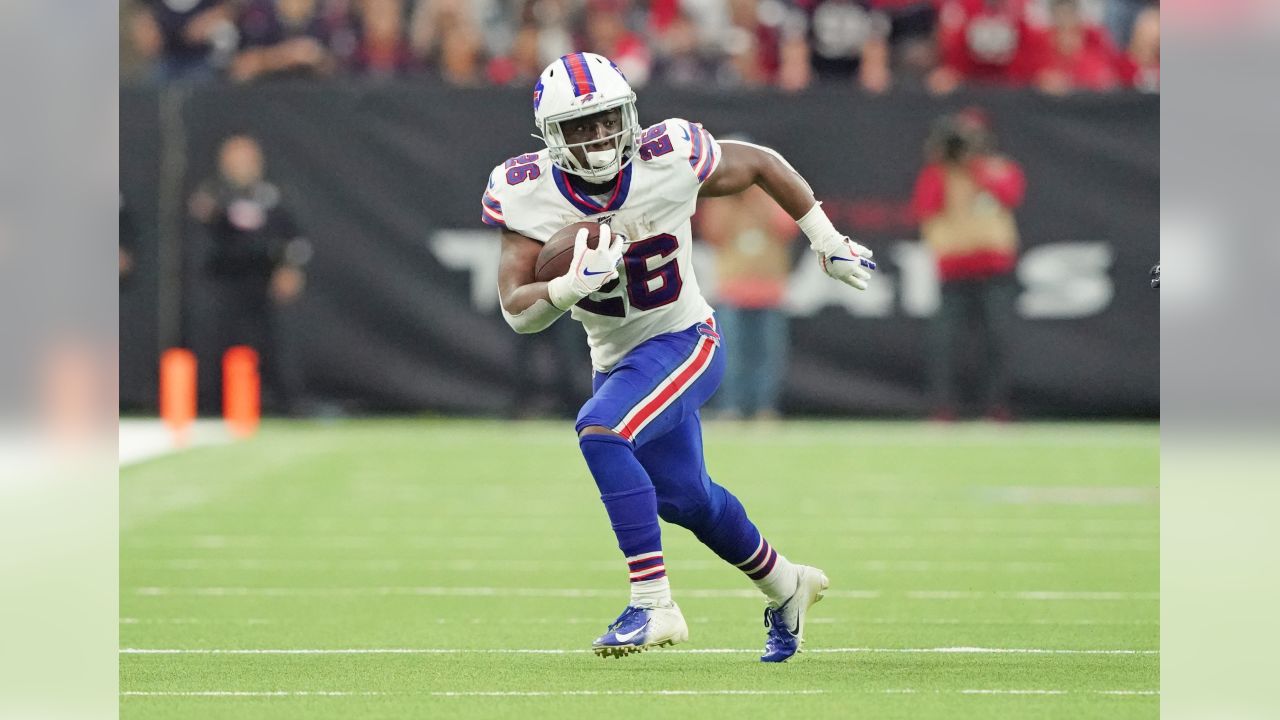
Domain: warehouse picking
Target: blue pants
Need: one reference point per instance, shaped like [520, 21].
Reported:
[756, 360]
[652, 399]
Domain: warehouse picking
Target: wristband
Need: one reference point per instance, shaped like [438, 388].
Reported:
[561, 293]
[823, 236]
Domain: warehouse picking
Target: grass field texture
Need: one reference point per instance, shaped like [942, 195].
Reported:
[452, 569]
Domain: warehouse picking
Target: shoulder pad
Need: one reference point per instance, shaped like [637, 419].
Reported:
[680, 142]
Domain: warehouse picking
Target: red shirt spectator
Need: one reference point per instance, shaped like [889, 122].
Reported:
[608, 35]
[1079, 56]
[985, 41]
[383, 47]
[964, 199]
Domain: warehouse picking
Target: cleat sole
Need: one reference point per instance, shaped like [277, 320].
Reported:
[625, 650]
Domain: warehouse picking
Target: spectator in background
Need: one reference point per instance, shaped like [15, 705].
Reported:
[913, 48]
[681, 60]
[794, 71]
[965, 197]
[186, 39]
[984, 41]
[1144, 50]
[754, 41]
[446, 36]
[382, 48]
[752, 238]
[607, 34]
[848, 40]
[553, 20]
[521, 66]
[1120, 16]
[1079, 55]
[285, 37]
[461, 56]
[255, 266]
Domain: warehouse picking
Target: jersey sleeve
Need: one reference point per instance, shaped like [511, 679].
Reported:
[687, 146]
[491, 202]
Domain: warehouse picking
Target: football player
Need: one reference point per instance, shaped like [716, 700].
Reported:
[655, 346]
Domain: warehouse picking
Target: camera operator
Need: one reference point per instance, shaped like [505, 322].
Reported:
[964, 199]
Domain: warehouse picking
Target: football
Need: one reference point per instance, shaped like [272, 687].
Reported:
[557, 253]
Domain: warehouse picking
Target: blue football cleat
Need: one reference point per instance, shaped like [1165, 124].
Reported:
[639, 628]
[785, 623]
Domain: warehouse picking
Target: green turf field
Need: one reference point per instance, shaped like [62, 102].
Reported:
[380, 569]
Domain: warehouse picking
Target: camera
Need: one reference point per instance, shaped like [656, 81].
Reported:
[955, 138]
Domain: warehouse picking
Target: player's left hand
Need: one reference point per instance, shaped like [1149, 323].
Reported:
[848, 262]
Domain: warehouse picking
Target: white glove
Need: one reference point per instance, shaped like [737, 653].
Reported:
[589, 270]
[840, 257]
[848, 262]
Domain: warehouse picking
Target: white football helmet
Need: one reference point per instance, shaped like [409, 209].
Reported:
[577, 85]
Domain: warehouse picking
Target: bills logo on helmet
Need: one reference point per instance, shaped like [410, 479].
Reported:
[537, 95]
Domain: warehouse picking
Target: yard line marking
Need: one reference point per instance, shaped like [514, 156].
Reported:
[457, 592]
[250, 693]
[1030, 595]
[542, 693]
[610, 566]
[599, 620]
[589, 693]
[452, 693]
[195, 621]
[218, 591]
[1013, 692]
[575, 651]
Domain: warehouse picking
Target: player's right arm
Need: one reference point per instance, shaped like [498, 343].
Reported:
[529, 305]
[526, 303]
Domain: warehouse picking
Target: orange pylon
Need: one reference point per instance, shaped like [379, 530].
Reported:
[241, 390]
[178, 392]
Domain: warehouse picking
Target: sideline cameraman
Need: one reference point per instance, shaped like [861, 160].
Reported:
[964, 199]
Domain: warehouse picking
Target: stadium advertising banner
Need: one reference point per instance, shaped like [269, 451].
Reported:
[400, 311]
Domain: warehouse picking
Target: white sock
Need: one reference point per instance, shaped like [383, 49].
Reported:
[651, 593]
[780, 577]
[781, 583]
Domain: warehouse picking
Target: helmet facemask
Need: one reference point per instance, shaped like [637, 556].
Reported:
[602, 165]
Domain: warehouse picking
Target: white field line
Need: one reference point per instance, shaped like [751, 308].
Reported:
[412, 528]
[924, 541]
[597, 620]
[272, 565]
[198, 621]
[143, 439]
[591, 693]
[313, 537]
[500, 592]
[150, 591]
[852, 541]
[1029, 595]
[580, 651]
[458, 693]
[413, 524]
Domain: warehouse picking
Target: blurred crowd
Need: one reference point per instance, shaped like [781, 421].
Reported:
[1057, 46]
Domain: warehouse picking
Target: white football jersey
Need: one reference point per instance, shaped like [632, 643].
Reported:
[652, 201]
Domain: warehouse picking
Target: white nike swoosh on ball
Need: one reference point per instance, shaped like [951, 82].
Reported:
[626, 637]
